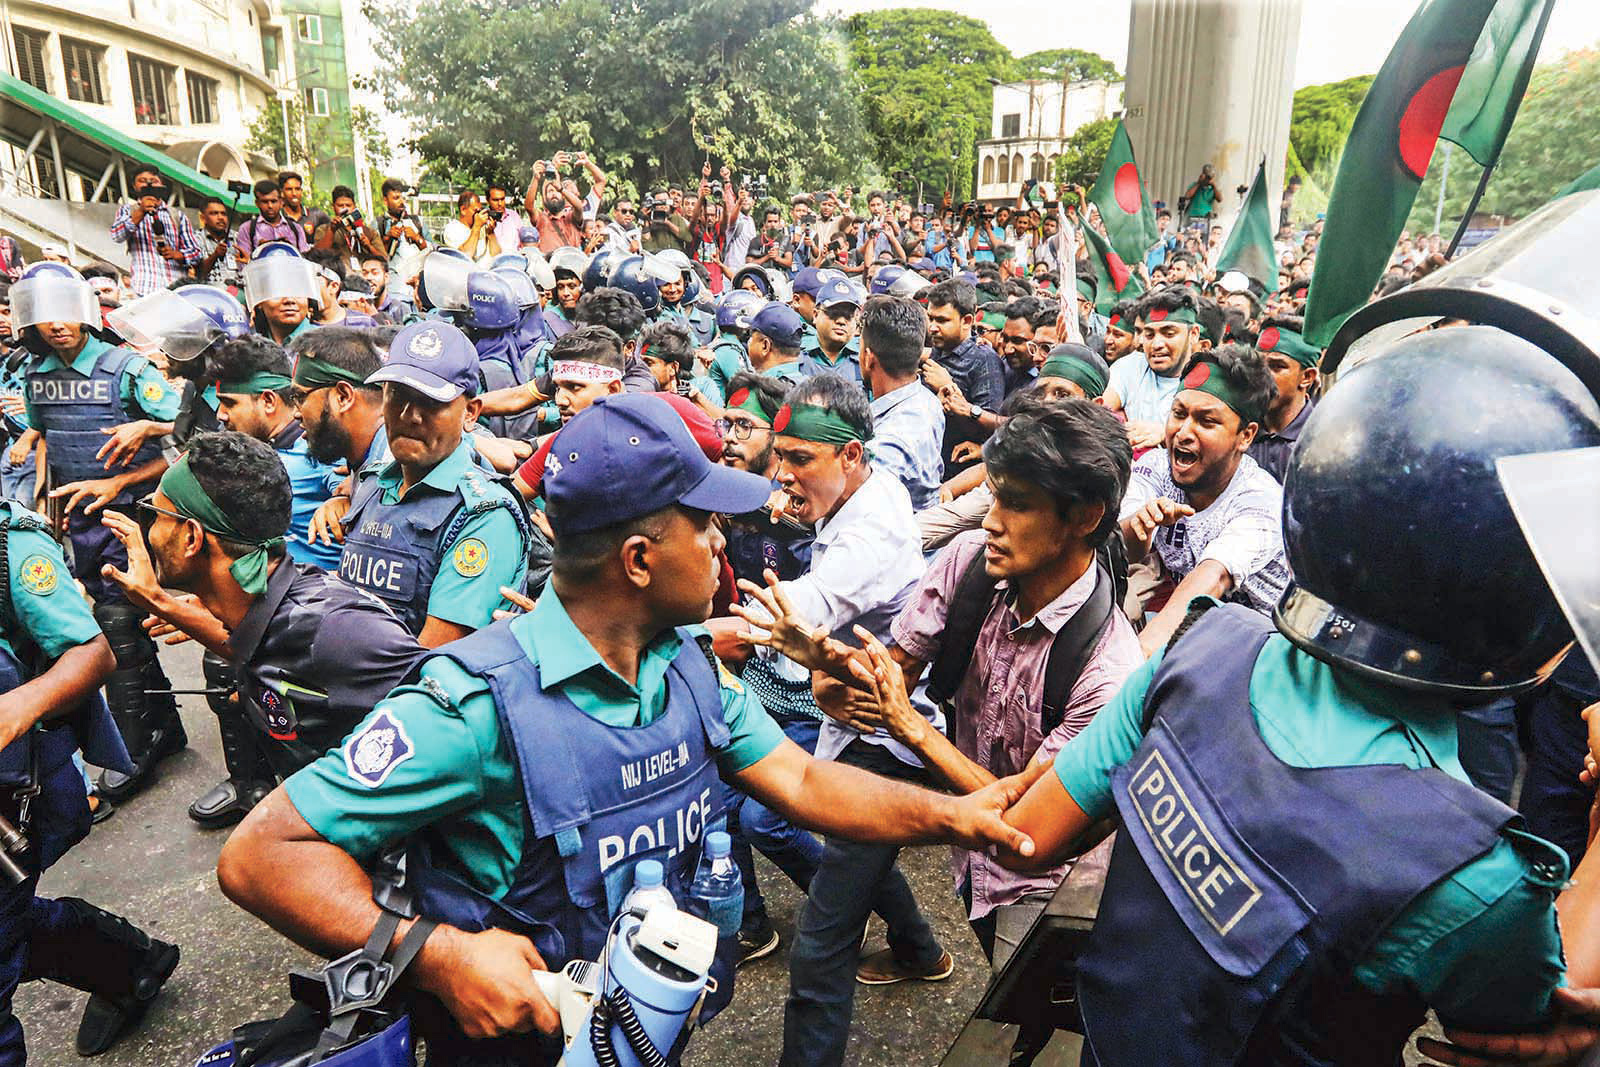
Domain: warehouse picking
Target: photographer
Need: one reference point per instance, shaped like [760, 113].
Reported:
[347, 233]
[841, 252]
[664, 227]
[772, 247]
[622, 229]
[161, 242]
[1199, 202]
[983, 238]
[472, 230]
[399, 230]
[880, 234]
[553, 204]
[216, 266]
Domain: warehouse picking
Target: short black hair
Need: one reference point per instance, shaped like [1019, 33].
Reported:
[355, 283]
[208, 201]
[1246, 370]
[1123, 311]
[1236, 327]
[1073, 449]
[954, 293]
[266, 187]
[492, 186]
[349, 348]
[837, 394]
[669, 340]
[769, 391]
[373, 257]
[590, 343]
[1018, 287]
[1295, 323]
[236, 360]
[579, 557]
[1211, 318]
[894, 328]
[1182, 257]
[248, 483]
[393, 185]
[616, 309]
[145, 168]
[1039, 313]
[286, 175]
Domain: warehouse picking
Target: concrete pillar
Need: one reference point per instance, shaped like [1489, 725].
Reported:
[1210, 81]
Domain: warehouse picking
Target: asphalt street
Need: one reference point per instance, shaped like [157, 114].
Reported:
[152, 865]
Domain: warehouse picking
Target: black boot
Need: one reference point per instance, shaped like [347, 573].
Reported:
[249, 779]
[118, 964]
[150, 725]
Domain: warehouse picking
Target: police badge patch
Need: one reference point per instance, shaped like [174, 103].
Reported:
[38, 575]
[470, 557]
[151, 393]
[427, 345]
[371, 755]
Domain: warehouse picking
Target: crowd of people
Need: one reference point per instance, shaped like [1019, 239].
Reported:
[855, 523]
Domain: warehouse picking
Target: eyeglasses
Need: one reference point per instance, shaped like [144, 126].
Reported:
[738, 429]
[149, 511]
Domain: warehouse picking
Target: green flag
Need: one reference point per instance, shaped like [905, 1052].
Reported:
[1457, 71]
[1114, 280]
[1249, 247]
[1589, 179]
[1119, 195]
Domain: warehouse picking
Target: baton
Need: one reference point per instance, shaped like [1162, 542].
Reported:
[55, 508]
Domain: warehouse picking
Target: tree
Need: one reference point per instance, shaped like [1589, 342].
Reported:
[920, 73]
[1065, 64]
[649, 88]
[1321, 118]
[1085, 152]
[310, 138]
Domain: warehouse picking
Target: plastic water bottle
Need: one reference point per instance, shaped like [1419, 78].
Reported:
[716, 894]
[649, 890]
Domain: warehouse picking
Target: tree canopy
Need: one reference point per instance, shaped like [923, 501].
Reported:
[1321, 119]
[1085, 152]
[1065, 64]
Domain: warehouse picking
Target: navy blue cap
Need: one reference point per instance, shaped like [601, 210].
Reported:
[808, 280]
[840, 291]
[780, 324]
[528, 235]
[434, 358]
[637, 440]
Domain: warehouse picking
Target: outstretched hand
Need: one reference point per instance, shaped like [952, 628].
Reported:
[781, 628]
[978, 822]
[1567, 1040]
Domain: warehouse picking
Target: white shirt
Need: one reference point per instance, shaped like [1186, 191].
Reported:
[456, 233]
[865, 563]
[1242, 529]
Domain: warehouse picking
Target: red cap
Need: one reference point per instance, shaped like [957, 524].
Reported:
[700, 426]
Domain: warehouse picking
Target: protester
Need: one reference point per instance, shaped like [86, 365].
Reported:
[269, 225]
[309, 219]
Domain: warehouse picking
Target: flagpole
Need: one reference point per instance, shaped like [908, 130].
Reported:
[1488, 171]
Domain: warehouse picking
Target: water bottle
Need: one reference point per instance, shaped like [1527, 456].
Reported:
[649, 890]
[716, 894]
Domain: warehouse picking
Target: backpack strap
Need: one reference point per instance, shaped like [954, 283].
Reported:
[1073, 645]
[969, 606]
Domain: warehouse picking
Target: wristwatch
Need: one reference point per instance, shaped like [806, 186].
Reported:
[975, 411]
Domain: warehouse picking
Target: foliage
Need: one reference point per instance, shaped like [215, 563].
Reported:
[1085, 152]
[1321, 118]
[924, 87]
[1064, 64]
[650, 87]
[312, 140]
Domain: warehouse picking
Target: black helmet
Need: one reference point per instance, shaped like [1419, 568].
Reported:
[598, 272]
[1408, 563]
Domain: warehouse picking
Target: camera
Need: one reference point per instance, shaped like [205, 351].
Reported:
[550, 170]
[353, 219]
[495, 216]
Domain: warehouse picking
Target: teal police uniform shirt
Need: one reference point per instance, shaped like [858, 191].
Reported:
[488, 552]
[459, 774]
[792, 371]
[45, 601]
[143, 387]
[1500, 907]
[814, 361]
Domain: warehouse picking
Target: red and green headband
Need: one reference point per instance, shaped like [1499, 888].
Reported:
[816, 424]
[1288, 343]
[1183, 314]
[1206, 376]
[749, 401]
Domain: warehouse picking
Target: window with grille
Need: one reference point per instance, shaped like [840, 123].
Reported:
[317, 101]
[84, 63]
[202, 97]
[30, 56]
[154, 102]
[309, 27]
[1011, 125]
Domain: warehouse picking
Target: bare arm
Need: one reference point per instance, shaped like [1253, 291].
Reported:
[436, 632]
[76, 674]
[1209, 579]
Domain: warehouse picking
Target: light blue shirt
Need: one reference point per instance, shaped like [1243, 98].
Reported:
[907, 438]
[1146, 395]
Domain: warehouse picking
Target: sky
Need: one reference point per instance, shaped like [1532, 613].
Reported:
[1338, 38]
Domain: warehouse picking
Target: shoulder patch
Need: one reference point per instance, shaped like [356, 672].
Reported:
[39, 574]
[725, 676]
[470, 557]
[371, 755]
[151, 392]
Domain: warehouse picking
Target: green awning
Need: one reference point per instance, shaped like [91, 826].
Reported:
[98, 141]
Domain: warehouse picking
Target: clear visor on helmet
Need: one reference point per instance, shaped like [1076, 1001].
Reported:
[569, 259]
[280, 278]
[52, 298]
[164, 321]
[661, 270]
[444, 280]
[539, 268]
[908, 284]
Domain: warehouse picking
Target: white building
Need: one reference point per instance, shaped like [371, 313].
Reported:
[1029, 127]
[184, 76]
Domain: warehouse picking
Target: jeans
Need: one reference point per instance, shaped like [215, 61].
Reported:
[852, 880]
[796, 851]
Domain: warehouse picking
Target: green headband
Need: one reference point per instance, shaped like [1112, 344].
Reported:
[1185, 315]
[180, 486]
[313, 373]
[1289, 343]
[748, 400]
[993, 320]
[1206, 376]
[1073, 369]
[259, 382]
[816, 424]
[1086, 289]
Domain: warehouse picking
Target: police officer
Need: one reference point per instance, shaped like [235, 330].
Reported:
[568, 264]
[835, 344]
[281, 287]
[53, 658]
[728, 353]
[314, 653]
[430, 532]
[493, 321]
[774, 345]
[807, 282]
[509, 763]
[79, 389]
[680, 299]
[1301, 850]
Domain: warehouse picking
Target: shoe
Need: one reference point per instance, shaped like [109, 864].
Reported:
[756, 940]
[881, 968]
[100, 809]
[168, 740]
[107, 1018]
[227, 802]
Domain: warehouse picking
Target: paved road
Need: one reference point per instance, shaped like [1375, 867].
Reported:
[151, 864]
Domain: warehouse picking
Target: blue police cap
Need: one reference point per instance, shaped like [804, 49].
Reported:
[840, 291]
[434, 358]
[808, 280]
[780, 324]
[637, 440]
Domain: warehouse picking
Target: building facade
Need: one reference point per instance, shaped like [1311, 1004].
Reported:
[1029, 127]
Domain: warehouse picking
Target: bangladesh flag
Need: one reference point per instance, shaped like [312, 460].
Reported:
[1120, 197]
[1458, 71]
[1114, 279]
[1249, 247]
